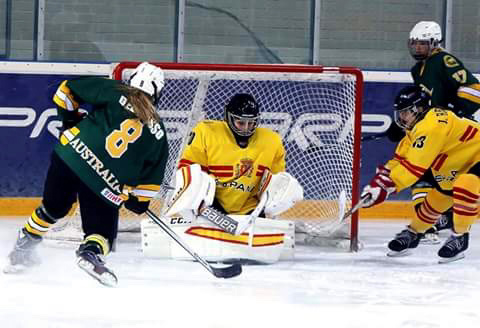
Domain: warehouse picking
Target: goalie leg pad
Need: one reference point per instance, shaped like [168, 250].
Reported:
[274, 240]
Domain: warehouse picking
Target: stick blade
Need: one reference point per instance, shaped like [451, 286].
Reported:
[227, 272]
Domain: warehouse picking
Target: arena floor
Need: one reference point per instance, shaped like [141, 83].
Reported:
[318, 289]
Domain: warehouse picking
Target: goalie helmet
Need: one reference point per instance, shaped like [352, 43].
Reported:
[148, 78]
[424, 37]
[411, 105]
[242, 115]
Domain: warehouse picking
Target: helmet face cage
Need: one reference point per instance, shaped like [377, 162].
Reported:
[428, 32]
[410, 99]
[242, 114]
[404, 124]
[250, 124]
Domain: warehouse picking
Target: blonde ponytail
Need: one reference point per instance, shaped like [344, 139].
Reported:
[142, 104]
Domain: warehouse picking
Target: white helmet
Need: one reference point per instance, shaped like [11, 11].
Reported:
[148, 78]
[425, 31]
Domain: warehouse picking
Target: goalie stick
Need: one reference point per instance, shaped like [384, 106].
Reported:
[224, 272]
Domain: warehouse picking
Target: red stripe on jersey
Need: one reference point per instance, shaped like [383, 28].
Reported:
[415, 170]
[398, 157]
[223, 174]
[465, 208]
[465, 135]
[438, 162]
[463, 198]
[430, 211]
[474, 132]
[261, 169]
[459, 212]
[469, 196]
[184, 162]
[220, 167]
[424, 217]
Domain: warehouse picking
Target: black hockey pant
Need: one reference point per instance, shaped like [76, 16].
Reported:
[63, 186]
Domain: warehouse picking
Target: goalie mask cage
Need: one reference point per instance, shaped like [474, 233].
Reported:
[315, 109]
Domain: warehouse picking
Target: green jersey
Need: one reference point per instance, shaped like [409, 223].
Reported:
[441, 75]
[110, 148]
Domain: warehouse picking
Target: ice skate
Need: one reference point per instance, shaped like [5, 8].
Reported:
[23, 255]
[454, 248]
[94, 265]
[403, 242]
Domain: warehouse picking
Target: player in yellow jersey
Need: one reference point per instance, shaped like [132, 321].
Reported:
[237, 153]
[232, 175]
[449, 146]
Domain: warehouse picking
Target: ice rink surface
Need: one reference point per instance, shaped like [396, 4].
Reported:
[317, 289]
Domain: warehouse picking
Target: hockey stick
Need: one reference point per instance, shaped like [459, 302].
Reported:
[225, 272]
[356, 207]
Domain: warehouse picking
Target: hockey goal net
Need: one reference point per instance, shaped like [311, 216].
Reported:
[316, 110]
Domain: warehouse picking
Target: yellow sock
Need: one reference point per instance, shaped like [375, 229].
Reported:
[466, 190]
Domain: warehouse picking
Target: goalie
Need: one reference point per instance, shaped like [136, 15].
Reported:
[232, 172]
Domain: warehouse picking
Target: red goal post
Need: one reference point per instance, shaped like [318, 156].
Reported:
[327, 100]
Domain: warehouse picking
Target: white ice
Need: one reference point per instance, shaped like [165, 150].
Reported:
[317, 289]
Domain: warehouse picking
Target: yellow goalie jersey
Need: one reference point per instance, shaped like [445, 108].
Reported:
[237, 170]
[442, 141]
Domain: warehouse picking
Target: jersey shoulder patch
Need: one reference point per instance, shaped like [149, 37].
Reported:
[450, 61]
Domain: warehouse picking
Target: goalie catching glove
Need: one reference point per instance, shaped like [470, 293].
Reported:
[378, 190]
[281, 191]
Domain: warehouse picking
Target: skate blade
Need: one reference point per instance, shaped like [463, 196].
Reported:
[405, 252]
[457, 257]
[430, 240]
[107, 279]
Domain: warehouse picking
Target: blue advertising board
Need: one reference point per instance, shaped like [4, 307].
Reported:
[29, 128]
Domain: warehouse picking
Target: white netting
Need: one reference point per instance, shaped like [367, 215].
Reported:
[313, 112]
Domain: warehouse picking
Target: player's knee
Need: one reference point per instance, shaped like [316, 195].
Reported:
[468, 182]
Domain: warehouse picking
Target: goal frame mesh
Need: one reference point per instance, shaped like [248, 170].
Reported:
[315, 217]
[287, 69]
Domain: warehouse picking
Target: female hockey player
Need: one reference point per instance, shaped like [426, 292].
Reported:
[104, 158]
[449, 146]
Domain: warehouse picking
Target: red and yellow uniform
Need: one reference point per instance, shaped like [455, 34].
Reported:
[237, 170]
[450, 146]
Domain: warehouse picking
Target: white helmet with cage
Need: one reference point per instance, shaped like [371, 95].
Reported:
[427, 33]
[148, 78]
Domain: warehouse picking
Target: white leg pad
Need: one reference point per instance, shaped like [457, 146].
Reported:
[274, 240]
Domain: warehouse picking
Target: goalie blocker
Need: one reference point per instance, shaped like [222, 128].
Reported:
[219, 237]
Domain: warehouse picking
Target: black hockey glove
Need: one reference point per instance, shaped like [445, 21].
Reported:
[70, 119]
[395, 133]
[136, 206]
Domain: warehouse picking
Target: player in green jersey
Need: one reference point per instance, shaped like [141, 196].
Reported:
[114, 155]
